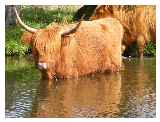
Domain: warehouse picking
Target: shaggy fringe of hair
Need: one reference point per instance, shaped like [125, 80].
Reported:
[49, 43]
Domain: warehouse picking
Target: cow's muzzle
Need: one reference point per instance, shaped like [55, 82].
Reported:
[42, 66]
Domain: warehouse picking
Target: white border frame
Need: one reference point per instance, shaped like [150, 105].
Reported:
[79, 2]
[76, 2]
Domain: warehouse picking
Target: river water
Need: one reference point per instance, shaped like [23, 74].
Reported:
[129, 93]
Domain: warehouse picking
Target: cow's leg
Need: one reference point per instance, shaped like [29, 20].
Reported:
[123, 48]
[141, 45]
[46, 75]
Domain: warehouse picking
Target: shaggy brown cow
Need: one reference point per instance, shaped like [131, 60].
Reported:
[139, 23]
[76, 49]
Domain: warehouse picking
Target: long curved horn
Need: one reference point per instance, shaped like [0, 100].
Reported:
[73, 29]
[26, 27]
[70, 30]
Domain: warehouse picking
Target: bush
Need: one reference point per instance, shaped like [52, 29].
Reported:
[45, 17]
[13, 44]
[150, 49]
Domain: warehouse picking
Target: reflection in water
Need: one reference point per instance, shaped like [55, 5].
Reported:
[130, 93]
[85, 97]
[138, 89]
[20, 84]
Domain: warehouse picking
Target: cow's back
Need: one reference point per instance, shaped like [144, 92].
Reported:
[94, 47]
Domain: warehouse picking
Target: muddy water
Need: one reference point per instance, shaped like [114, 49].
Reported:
[130, 93]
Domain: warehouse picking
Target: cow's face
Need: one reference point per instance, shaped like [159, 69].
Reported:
[45, 48]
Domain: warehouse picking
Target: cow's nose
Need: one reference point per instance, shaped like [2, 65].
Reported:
[42, 66]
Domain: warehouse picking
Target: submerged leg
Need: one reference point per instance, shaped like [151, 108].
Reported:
[141, 45]
[123, 48]
[46, 75]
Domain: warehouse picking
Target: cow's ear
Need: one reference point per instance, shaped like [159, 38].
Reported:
[27, 38]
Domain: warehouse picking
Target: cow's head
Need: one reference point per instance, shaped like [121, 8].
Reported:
[46, 45]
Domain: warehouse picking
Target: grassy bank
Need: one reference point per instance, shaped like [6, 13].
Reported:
[39, 18]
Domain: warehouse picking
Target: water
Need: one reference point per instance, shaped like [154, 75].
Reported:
[129, 93]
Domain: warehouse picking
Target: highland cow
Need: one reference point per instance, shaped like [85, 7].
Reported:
[75, 50]
[139, 23]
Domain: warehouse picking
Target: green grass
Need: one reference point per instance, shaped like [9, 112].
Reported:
[37, 18]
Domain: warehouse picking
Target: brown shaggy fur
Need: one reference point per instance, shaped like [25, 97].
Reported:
[94, 47]
[139, 22]
[26, 38]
